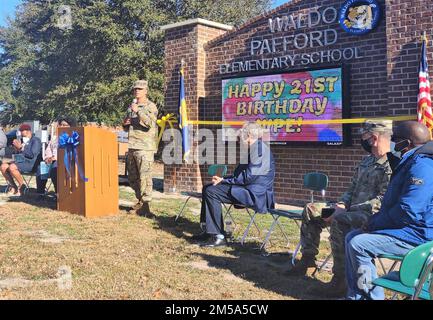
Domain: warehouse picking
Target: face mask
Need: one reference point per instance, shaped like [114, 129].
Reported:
[394, 152]
[26, 139]
[367, 146]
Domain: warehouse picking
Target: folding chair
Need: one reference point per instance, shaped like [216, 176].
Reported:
[27, 177]
[415, 276]
[314, 181]
[250, 224]
[396, 260]
[214, 170]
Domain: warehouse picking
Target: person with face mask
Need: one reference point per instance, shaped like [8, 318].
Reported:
[405, 219]
[251, 186]
[50, 157]
[356, 205]
[28, 150]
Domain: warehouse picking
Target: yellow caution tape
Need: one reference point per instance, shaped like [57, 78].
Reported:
[273, 122]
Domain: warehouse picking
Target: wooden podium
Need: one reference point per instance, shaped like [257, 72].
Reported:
[97, 157]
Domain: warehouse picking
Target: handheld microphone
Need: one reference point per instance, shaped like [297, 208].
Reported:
[132, 114]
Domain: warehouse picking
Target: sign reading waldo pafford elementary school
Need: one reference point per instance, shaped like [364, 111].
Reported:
[306, 95]
[314, 30]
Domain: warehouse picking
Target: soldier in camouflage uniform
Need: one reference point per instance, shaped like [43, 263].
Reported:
[362, 199]
[142, 127]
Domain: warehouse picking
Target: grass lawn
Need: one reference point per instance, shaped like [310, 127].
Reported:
[129, 257]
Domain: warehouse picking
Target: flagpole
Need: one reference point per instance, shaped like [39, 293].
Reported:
[424, 41]
[182, 66]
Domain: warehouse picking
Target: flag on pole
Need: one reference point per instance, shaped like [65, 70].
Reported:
[183, 117]
[425, 113]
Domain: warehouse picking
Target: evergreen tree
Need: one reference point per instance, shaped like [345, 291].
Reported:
[84, 64]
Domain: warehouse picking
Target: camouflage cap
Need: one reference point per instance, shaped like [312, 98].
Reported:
[140, 84]
[377, 126]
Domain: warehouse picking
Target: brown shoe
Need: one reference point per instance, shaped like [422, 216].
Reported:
[301, 268]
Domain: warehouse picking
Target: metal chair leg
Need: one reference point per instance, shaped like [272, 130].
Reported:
[318, 269]
[254, 222]
[391, 269]
[295, 253]
[382, 266]
[229, 214]
[181, 211]
[393, 266]
[282, 231]
[248, 228]
[268, 235]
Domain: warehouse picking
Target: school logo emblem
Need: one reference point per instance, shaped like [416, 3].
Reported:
[360, 17]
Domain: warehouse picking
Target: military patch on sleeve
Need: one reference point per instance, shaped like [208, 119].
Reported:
[416, 181]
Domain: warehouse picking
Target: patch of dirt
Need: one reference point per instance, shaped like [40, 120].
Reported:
[46, 237]
[202, 265]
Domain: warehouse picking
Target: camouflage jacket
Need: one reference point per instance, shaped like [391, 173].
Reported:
[143, 130]
[368, 186]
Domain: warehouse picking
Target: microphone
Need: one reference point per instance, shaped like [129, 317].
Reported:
[132, 114]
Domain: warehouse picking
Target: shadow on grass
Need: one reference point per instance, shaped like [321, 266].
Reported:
[266, 272]
[34, 199]
[180, 229]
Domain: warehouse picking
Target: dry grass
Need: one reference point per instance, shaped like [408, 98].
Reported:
[128, 257]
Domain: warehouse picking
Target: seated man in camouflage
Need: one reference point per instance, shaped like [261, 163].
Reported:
[362, 199]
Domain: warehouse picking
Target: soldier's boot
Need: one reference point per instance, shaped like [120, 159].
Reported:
[301, 268]
[144, 211]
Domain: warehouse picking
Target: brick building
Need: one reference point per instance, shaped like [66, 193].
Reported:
[383, 82]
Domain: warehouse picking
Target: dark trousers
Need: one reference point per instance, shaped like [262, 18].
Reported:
[41, 184]
[211, 208]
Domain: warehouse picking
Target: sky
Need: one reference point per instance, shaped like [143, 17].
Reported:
[7, 8]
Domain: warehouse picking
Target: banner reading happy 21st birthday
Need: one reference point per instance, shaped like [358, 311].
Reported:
[306, 95]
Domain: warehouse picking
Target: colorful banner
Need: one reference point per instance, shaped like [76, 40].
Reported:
[300, 96]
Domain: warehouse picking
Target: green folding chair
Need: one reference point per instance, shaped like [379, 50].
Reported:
[396, 260]
[214, 170]
[315, 182]
[415, 276]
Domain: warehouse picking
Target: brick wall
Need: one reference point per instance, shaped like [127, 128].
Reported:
[406, 22]
[186, 43]
[379, 83]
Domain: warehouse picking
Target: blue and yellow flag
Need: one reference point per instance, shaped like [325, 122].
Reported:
[183, 118]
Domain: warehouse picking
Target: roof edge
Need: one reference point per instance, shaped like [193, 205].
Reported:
[198, 21]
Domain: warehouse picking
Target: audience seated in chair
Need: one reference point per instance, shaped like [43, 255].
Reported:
[357, 204]
[251, 186]
[405, 219]
[27, 151]
[3, 143]
[50, 157]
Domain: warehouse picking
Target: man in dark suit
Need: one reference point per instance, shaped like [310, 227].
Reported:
[250, 186]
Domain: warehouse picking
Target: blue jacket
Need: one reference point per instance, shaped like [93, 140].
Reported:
[407, 207]
[30, 155]
[253, 184]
